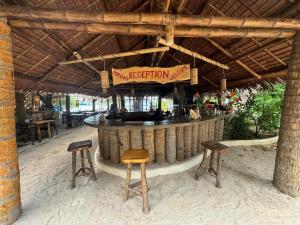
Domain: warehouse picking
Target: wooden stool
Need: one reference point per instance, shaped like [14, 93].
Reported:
[136, 156]
[216, 149]
[82, 146]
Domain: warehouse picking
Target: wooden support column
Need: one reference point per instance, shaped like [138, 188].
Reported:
[10, 199]
[94, 105]
[286, 176]
[68, 112]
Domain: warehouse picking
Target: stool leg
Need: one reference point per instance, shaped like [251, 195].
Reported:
[128, 177]
[218, 185]
[212, 156]
[146, 207]
[73, 169]
[82, 161]
[201, 164]
[91, 164]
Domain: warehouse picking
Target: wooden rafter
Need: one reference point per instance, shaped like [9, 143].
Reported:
[85, 46]
[268, 76]
[31, 47]
[209, 81]
[248, 7]
[180, 6]
[194, 54]
[115, 61]
[252, 39]
[239, 62]
[116, 55]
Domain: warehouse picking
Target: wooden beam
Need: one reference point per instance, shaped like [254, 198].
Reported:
[114, 62]
[227, 53]
[154, 30]
[165, 9]
[194, 54]
[116, 55]
[31, 47]
[252, 39]
[264, 77]
[24, 13]
[180, 6]
[249, 8]
[60, 42]
[209, 81]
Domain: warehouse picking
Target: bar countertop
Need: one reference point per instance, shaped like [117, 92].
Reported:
[93, 121]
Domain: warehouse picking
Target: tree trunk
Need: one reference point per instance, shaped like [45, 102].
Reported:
[10, 201]
[286, 176]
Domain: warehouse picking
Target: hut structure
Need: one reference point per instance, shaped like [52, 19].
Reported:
[48, 45]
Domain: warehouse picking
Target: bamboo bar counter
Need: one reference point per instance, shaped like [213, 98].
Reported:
[167, 141]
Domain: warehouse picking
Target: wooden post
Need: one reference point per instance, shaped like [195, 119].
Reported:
[122, 101]
[171, 144]
[179, 144]
[148, 143]
[94, 105]
[187, 131]
[159, 143]
[287, 165]
[10, 199]
[68, 112]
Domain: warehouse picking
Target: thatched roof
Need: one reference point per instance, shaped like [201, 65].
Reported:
[37, 52]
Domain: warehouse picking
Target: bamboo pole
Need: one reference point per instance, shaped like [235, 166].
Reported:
[153, 30]
[10, 199]
[268, 77]
[116, 55]
[227, 53]
[148, 142]
[194, 54]
[114, 146]
[165, 9]
[136, 141]
[82, 16]
[209, 81]
[187, 142]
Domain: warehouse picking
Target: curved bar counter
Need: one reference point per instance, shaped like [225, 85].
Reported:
[167, 141]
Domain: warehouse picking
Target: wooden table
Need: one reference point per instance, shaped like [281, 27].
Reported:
[38, 128]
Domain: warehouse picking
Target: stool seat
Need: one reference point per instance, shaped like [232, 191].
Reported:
[76, 146]
[214, 146]
[135, 156]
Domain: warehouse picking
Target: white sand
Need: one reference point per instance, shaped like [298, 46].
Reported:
[247, 196]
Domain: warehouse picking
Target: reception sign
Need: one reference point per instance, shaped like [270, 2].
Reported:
[151, 74]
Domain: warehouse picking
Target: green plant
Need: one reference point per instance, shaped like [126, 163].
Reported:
[264, 108]
[240, 125]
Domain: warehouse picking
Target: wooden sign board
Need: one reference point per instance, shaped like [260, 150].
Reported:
[151, 74]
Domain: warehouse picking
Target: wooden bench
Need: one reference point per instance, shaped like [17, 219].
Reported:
[137, 156]
[217, 150]
[82, 146]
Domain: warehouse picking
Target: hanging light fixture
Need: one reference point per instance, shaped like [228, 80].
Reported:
[194, 74]
[223, 82]
[104, 78]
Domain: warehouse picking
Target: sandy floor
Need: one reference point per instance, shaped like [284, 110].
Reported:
[247, 197]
